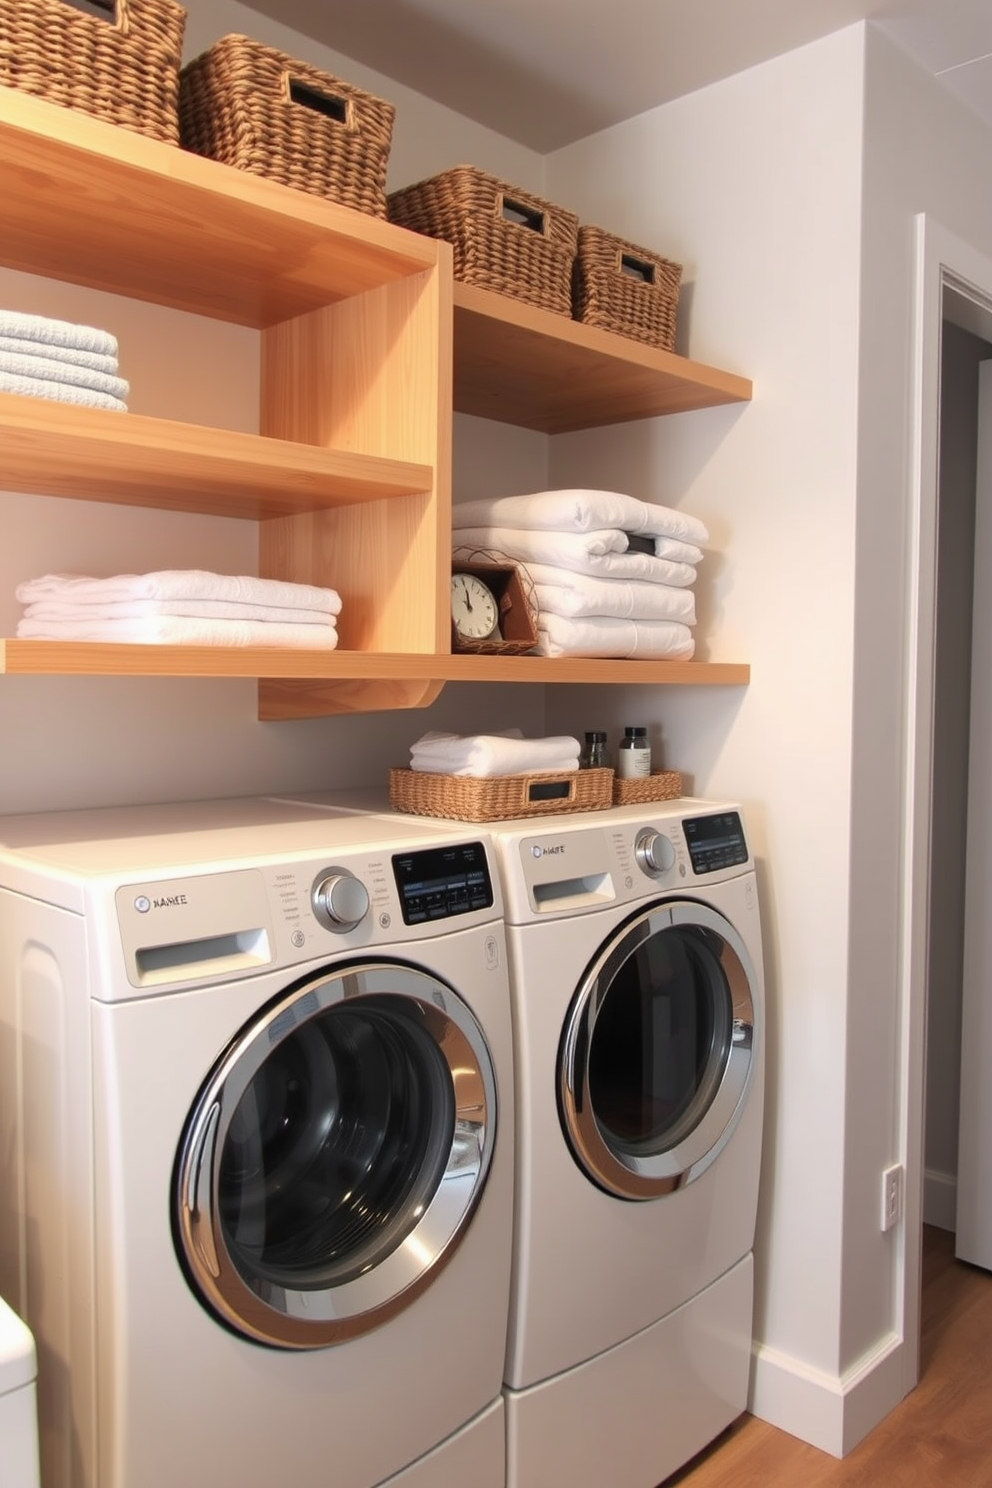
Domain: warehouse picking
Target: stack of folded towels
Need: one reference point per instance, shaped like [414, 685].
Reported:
[178, 607]
[612, 574]
[486, 755]
[44, 358]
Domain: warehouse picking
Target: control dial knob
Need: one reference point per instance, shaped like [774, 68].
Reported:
[340, 901]
[654, 852]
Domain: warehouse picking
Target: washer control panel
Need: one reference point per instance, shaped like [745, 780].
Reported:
[435, 883]
[715, 841]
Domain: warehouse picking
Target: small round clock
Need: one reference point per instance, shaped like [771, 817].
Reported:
[473, 608]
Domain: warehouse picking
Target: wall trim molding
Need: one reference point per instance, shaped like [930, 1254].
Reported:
[830, 1411]
[940, 1199]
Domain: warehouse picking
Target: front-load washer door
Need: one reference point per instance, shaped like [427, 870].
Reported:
[657, 1050]
[335, 1156]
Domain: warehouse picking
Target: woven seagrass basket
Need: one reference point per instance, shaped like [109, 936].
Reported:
[250, 106]
[500, 797]
[620, 287]
[119, 60]
[504, 239]
[660, 785]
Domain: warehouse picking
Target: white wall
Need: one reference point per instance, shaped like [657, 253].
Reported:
[789, 194]
[95, 741]
[754, 186]
[925, 153]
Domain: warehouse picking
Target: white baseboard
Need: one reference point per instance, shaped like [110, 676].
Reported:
[940, 1199]
[832, 1412]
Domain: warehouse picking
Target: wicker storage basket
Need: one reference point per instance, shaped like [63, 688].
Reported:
[122, 67]
[465, 798]
[252, 107]
[660, 785]
[620, 287]
[505, 239]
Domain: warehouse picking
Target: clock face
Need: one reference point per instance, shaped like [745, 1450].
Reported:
[473, 607]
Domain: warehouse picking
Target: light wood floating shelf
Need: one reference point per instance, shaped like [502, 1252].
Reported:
[55, 450]
[367, 345]
[53, 658]
[539, 370]
[99, 205]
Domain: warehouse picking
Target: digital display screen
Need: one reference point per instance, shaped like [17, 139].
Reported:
[437, 883]
[715, 841]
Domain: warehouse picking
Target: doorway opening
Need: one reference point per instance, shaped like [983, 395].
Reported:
[954, 337]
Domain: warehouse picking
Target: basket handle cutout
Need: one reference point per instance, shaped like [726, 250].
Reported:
[328, 104]
[636, 268]
[529, 217]
[549, 790]
[101, 10]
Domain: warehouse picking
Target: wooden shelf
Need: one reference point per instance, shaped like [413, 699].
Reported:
[541, 371]
[54, 449]
[366, 345]
[90, 658]
[92, 203]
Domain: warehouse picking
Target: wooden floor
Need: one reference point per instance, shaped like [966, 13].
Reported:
[939, 1437]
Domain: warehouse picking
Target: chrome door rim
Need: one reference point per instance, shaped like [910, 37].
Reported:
[651, 1174]
[305, 1318]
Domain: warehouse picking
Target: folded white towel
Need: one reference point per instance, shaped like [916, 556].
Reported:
[183, 630]
[594, 636]
[485, 755]
[57, 332]
[581, 511]
[677, 551]
[52, 370]
[59, 392]
[180, 583]
[98, 361]
[202, 609]
[602, 553]
[574, 595]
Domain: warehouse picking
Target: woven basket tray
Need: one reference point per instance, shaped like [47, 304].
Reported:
[464, 798]
[504, 239]
[661, 785]
[122, 67]
[252, 107]
[620, 287]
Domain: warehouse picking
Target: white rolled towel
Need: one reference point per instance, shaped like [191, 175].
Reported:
[183, 630]
[597, 636]
[582, 511]
[51, 369]
[602, 553]
[485, 755]
[52, 332]
[179, 583]
[59, 392]
[559, 591]
[97, 361]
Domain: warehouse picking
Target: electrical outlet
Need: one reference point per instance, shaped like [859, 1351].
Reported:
[892, 1196]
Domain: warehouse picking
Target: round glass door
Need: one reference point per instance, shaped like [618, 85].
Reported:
[335, 1156]
[656, 1053]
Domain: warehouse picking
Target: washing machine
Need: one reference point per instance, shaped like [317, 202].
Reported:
[637, 981]
[256, 1110]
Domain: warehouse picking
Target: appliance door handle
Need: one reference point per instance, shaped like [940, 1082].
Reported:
[198, 1188]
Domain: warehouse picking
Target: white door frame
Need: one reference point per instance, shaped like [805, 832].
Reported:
[953, 281]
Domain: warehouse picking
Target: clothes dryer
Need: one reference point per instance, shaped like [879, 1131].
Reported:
[637, 983]
[256, 1109]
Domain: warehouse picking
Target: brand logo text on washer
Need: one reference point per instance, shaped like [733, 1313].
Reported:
[548, 852]
[171, 901]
